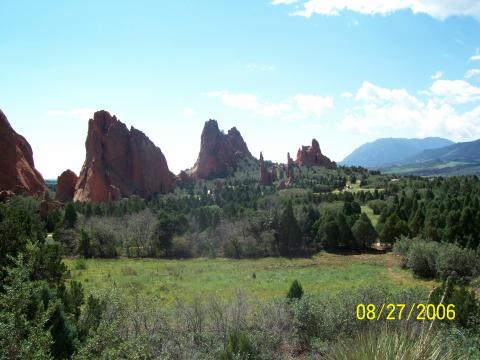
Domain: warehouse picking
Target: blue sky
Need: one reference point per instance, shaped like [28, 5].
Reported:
[342, 71]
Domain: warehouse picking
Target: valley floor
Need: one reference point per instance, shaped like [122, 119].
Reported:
[259, 279]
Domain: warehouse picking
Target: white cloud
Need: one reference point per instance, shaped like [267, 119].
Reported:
[381, 109]
[454, 91]
[347, 94]
[472, 73]
[439, 9]
[76, 113]
[297, 107]
[437, 75]
[313, 104]
[475, 57]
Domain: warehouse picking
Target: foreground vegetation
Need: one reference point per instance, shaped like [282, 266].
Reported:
[227, 269]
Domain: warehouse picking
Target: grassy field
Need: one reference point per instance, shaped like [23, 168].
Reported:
[171, 280]
[369, 212]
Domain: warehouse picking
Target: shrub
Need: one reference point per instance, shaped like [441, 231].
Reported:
[238, 347]
[453, 260]
[180, 248]
[295, 291]
[421, 258]
[80, 264]
[402, 245]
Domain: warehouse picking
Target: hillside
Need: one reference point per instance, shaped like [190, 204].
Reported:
[457, 159]
[391, 151]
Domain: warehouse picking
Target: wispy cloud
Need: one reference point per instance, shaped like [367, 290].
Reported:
[472, 73]
[347, 94]
[439, 9]
[75, 113]
[296, 107]
[378, 109]
[437, 75]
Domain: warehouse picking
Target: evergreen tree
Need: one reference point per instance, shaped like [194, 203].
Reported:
[70, 216]
[289, 233]
[364, 232]
[295, 291]
[328, 232]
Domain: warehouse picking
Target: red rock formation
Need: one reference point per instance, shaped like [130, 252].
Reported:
[48, 205]
[120, 162]
[290, 171]
[264, 176]
[66, 186]
[219, 153]
[273, 173]
[311, 155]
[17, 169]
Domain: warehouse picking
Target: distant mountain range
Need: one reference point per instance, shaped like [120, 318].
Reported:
[387, 152]
[423, 157]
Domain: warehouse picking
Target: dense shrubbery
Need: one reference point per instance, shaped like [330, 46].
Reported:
[430, 259]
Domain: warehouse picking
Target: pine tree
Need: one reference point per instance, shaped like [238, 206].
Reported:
[289, 234]
[295, 291]
[364, 232]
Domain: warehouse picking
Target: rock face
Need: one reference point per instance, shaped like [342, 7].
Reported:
[219, 152]
[290, 171]
[48, 205]
[120, 162]
[17, 169]
[311, 155]
[265, 177]
[66, 186]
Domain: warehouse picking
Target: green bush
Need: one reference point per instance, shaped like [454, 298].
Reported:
[80, 264]
[453, 260]
[295, 291]
[421, 258]
[402, 245]
[238, 347]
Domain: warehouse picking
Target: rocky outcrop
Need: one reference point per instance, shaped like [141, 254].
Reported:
[17, 169]
[311, 155]
[264, 176]
[48, 205]
[65, 189]
[219, 152]
[120, 162]
[290, 170]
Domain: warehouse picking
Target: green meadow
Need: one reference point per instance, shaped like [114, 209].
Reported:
[170, 280]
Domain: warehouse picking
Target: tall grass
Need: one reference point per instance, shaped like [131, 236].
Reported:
[388, 343]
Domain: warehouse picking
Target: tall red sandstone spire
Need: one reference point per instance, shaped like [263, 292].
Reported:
[120, 162]
[219, 152]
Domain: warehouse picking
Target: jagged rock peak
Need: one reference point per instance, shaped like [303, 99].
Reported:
[120, 162]
[312, 155]
[17, 169]
[219, 152]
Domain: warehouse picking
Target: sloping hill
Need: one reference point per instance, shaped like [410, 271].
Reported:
[391, 151]
[457, 159]
[466, 151]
